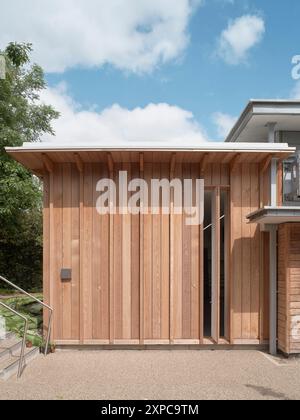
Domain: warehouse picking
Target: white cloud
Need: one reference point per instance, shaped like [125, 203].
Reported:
[240, 36]
[155, 124]
[224, 123]
[132, 35]
[295, 94]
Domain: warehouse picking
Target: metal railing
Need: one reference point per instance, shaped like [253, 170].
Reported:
[209, 226]
[22, 355]
[38, 301]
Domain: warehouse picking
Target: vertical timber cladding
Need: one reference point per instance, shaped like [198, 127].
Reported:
[126, 270]
[245, 255]
[289, 288]
[139, 279]
[62, 249]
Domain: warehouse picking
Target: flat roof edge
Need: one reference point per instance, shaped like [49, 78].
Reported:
[274, 212]
[249, 112]
[212, 147]
[274, 101]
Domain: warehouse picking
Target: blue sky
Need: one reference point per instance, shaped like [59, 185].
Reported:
[199, 77]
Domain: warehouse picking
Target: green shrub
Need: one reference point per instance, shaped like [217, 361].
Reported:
[32, 311]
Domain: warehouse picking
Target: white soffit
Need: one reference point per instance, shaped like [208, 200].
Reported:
[275, 215]
[252, 125]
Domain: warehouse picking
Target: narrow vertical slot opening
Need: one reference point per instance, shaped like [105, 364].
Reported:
[207, 263]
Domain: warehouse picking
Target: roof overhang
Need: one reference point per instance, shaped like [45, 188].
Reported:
[32, 155]
[275, 215]
[252, 124]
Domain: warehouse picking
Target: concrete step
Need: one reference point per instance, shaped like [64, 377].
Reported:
[7, 336]
[9, 348]
[10, 366]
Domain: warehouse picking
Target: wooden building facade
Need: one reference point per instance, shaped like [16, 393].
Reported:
[149, 279]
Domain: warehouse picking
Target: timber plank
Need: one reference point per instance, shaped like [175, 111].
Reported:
[67, 250]
[246, 253]
[75, 215]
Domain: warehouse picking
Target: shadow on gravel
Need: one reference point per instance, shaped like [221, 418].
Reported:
[268, 392]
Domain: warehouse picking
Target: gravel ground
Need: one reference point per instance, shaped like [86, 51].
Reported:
[143, 375]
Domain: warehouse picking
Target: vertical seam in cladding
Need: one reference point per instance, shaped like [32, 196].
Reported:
[242, 246]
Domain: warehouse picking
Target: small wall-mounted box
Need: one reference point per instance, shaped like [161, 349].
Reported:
[66, 274]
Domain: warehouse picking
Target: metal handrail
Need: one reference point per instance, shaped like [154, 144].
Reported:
[209, 226]
[38, 301]
[22, 355]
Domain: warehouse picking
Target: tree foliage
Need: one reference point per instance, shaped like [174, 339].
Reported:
[22, 119]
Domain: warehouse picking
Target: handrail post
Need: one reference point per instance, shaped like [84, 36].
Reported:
[22, 356]
[48, 333]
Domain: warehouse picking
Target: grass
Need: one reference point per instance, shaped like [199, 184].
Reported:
[6, 292]
[31, 310]
[12, 292]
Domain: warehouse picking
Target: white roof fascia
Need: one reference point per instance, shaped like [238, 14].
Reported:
[206, 147]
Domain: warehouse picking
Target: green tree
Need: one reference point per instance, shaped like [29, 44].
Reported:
[22, 119]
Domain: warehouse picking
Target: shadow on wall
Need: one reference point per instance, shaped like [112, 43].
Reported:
[250, 277]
